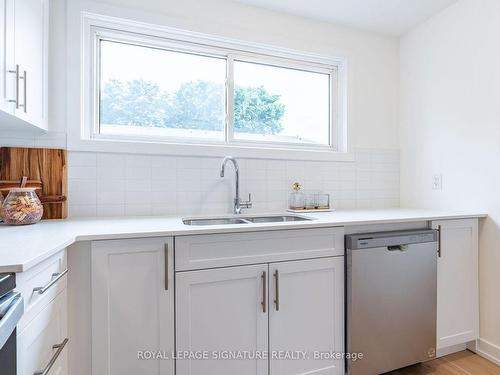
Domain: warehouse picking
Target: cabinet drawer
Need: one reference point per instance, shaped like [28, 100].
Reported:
[221, 250]
[35, 344]
[38, 277]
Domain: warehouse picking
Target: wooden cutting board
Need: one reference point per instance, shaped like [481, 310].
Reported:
[46, 165]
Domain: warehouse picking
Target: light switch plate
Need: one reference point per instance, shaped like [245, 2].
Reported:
[437, 182]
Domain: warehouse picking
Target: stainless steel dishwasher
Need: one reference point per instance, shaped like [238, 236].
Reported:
[390, 299]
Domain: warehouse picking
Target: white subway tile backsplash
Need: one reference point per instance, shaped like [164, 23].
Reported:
[110, 210]
[82, 159]
[82, 172]
[104, 184]
[138, 209]
[110, 198]
[75, 210]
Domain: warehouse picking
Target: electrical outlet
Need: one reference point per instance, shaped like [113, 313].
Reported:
[437, 182]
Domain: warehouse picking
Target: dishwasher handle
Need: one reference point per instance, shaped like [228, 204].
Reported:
[400, 248]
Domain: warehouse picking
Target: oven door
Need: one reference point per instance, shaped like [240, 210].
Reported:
[11, 310]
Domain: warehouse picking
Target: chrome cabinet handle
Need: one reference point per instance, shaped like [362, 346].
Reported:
[166, 266]
[16, 72]
[25, 88]
[59, 348]
[277, 290]
[56, 278]
[264, 291]
[439, 241]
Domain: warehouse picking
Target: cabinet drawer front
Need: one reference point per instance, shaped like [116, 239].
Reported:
[35, 344]
[220, 250]
[37, 277]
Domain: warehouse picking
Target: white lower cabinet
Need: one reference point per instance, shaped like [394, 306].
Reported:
[43, 342]
[457, 282]
[306, 316]
[132, 306]
[298, 305]
[222, 311]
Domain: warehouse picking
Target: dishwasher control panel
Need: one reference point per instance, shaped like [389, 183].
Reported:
[372, 240]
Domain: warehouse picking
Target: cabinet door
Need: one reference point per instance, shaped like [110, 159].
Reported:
[306, 316]
[457, 282]
[222, 311]
[31, 36]
[7, 64]
[132, 306]
[35, 344]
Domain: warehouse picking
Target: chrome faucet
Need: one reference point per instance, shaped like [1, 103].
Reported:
[238, 203]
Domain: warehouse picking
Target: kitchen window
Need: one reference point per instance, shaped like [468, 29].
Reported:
[175, 89]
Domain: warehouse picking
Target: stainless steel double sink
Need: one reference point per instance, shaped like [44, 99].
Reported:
[245, 220]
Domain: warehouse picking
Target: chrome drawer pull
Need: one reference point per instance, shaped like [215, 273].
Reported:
[277, 292]
[166, 266]
[439, 241]
[264, 291]
[59, 348]
[56, 278]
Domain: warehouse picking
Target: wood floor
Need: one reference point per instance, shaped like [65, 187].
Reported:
[462, 363]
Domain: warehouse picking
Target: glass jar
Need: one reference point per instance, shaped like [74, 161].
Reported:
[296, 201]
[21, 207]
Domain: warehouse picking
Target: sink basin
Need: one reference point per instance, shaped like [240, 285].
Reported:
[276, 219]
[219, 221]
[245, 220]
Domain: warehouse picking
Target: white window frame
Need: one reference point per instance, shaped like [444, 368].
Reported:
[98, 27]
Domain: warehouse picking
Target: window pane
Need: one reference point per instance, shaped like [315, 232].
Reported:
[153, 92]
[278, 104]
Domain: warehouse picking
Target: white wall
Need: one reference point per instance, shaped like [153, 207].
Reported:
[450, 124]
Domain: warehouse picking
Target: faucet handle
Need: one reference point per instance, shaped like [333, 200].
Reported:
[248, 203]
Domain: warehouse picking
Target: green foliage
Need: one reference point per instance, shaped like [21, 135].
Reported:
[137, 103]
[195, 105]
[256, 111]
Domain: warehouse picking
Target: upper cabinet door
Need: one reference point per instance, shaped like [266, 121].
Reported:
[7, 64]
[306, 315]
[31, 55]
[222, 310]
[132, 306]
[458, 285]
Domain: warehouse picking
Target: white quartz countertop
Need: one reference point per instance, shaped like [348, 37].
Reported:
[25, 246]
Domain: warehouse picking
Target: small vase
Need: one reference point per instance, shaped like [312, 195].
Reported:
[21, 207]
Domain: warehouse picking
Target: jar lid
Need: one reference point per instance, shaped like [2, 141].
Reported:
[22, 190]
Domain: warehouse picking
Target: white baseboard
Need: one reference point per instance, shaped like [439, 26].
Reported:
[441, 352]
[488, 350]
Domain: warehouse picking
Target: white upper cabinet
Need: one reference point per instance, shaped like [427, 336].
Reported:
[24, 63]
[306, 315]
[457, 282]
[132, 306]
[7, 80]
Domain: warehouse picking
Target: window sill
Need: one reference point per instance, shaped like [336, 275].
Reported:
[205, 150]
